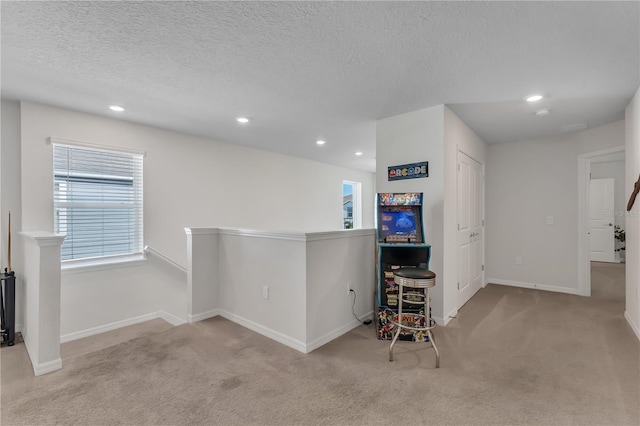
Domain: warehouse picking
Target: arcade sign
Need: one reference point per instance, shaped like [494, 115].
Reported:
[408, 171]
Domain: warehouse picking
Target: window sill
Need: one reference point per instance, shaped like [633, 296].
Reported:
[93, 265]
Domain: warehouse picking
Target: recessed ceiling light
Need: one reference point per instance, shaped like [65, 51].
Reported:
[242, 120]
[320, 142]
[358, 153]
[116, 108]
[534, 98]
[542, 112]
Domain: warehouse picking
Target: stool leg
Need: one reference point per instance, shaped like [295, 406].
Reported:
[435, 348]
[428, 320]
[393, 342]
[399, 326]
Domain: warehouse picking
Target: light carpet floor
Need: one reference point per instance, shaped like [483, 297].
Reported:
[513, 356]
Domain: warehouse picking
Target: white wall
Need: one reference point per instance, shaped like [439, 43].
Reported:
[335, 262]
[308, 277]
[189, 181]
[10, 197]
[41, 277]
[409, 138]
[247, 263]
[526, 182]
[632, 163]
[434, 135]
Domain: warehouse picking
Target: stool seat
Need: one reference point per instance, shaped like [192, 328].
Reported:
[414, 277]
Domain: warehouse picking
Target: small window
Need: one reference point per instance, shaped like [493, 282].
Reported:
[351, 205]
[97, 203]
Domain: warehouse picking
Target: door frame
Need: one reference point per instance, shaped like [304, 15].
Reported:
[584, 176]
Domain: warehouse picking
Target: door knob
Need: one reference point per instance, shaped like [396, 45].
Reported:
[611, 224]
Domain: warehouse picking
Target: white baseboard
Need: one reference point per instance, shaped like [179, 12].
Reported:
[334, 334]
[45, 367]
[265, 331]
[172, 319]
[447, 318]
[203, 315]
[106, 327]
[633, 325]
[535, 286]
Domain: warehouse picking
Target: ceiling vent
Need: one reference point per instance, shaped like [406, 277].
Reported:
[569, 128]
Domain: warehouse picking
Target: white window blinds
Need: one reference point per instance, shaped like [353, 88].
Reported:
[98, 202]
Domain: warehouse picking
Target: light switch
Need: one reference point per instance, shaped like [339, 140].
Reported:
[549, 220]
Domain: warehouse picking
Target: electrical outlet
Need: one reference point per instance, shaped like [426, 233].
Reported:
[518, 260]
[549, 220]
[265, 291]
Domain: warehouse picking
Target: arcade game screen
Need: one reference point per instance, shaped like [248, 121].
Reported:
[398, 225]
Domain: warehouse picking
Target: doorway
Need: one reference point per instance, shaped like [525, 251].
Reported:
[588, 166]
[470, 238]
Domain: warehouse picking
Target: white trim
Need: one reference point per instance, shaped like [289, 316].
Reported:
[86, 266]
[633, 326]
[203, 315]
[265, 331]
[442, 322]
[290, 236]
[42, 368]
[106, 327]
[343, 233]
[146, 250]
[277, 235]
[584, 170]
[47, 367]
[201, 231]
[334, 334]
[170, 318]
[584, 271]
[534, 286]
[90, 145]
[42, 238]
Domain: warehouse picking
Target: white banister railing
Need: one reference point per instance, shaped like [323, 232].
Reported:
[164, 258]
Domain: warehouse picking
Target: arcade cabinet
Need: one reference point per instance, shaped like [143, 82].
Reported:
[400, 243]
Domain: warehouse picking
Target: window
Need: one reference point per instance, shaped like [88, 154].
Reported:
[351, 202]
[97, 203]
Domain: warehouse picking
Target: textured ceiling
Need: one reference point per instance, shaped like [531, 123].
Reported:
[309, 70]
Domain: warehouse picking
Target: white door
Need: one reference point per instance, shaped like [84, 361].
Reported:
[601, 235]
[470, 227]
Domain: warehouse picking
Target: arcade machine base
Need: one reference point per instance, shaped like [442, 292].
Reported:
[386, 328]
[8, 307]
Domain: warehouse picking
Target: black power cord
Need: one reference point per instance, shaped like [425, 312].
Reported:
[353, 308]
